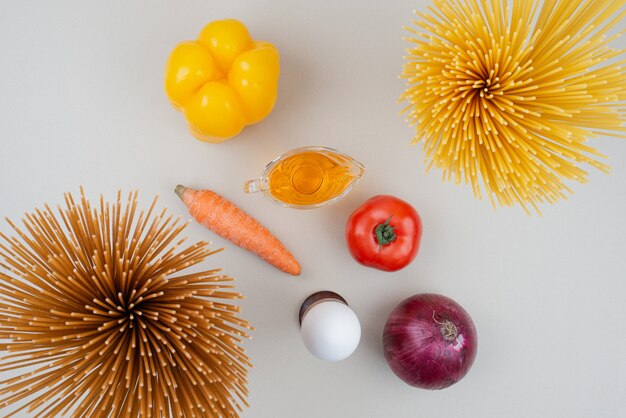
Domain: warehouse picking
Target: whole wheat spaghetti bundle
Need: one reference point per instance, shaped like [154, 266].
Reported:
[97, 318]
[507, 102]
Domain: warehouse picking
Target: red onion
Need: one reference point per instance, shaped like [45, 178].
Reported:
[430, 341]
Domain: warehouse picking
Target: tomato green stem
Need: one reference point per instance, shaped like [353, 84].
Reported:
[385, 234]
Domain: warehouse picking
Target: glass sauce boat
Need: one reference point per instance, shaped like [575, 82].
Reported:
[307, 177]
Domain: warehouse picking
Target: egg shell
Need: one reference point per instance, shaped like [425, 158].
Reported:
[331, 330]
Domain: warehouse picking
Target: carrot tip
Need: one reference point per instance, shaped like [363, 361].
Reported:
[180, 189]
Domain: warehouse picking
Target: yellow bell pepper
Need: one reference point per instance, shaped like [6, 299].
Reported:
[223, 81]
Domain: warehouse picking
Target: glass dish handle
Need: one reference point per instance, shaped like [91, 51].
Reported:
[253, 186]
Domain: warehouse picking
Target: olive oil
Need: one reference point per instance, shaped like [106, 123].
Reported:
[311, 177]
[307, 177]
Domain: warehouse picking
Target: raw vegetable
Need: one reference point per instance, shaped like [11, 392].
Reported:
[430, 341]
[228, 221]
[384, 233]
[222, 81]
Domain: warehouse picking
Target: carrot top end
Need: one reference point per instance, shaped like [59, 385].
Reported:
[179, 190]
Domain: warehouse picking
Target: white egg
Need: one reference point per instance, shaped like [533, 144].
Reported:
[331, 330]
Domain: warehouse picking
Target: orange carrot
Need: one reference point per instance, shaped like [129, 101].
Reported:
[228, 221]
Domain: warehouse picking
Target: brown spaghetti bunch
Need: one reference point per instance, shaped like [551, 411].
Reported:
[97, 320]
[510, 91]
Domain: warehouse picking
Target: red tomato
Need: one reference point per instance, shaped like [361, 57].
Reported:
[384, 233]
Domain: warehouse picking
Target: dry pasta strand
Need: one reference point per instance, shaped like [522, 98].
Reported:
[97, 321]
[508, 106]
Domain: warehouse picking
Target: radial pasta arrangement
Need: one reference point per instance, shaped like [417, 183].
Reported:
[505, 94]
[97, 318]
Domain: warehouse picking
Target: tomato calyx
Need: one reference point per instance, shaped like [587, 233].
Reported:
[385, 233]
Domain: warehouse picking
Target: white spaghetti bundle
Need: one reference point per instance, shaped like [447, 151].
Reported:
[505, 94]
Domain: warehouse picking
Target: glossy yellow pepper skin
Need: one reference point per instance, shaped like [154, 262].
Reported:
[223, 81]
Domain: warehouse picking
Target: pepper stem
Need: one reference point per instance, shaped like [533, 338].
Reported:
[385, 233]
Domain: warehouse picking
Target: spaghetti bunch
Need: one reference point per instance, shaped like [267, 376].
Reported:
[97, 318]
[505, 94]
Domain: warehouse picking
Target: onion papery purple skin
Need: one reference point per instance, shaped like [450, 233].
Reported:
[430, 341]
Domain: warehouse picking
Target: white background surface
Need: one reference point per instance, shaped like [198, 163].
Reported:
[82, 103]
